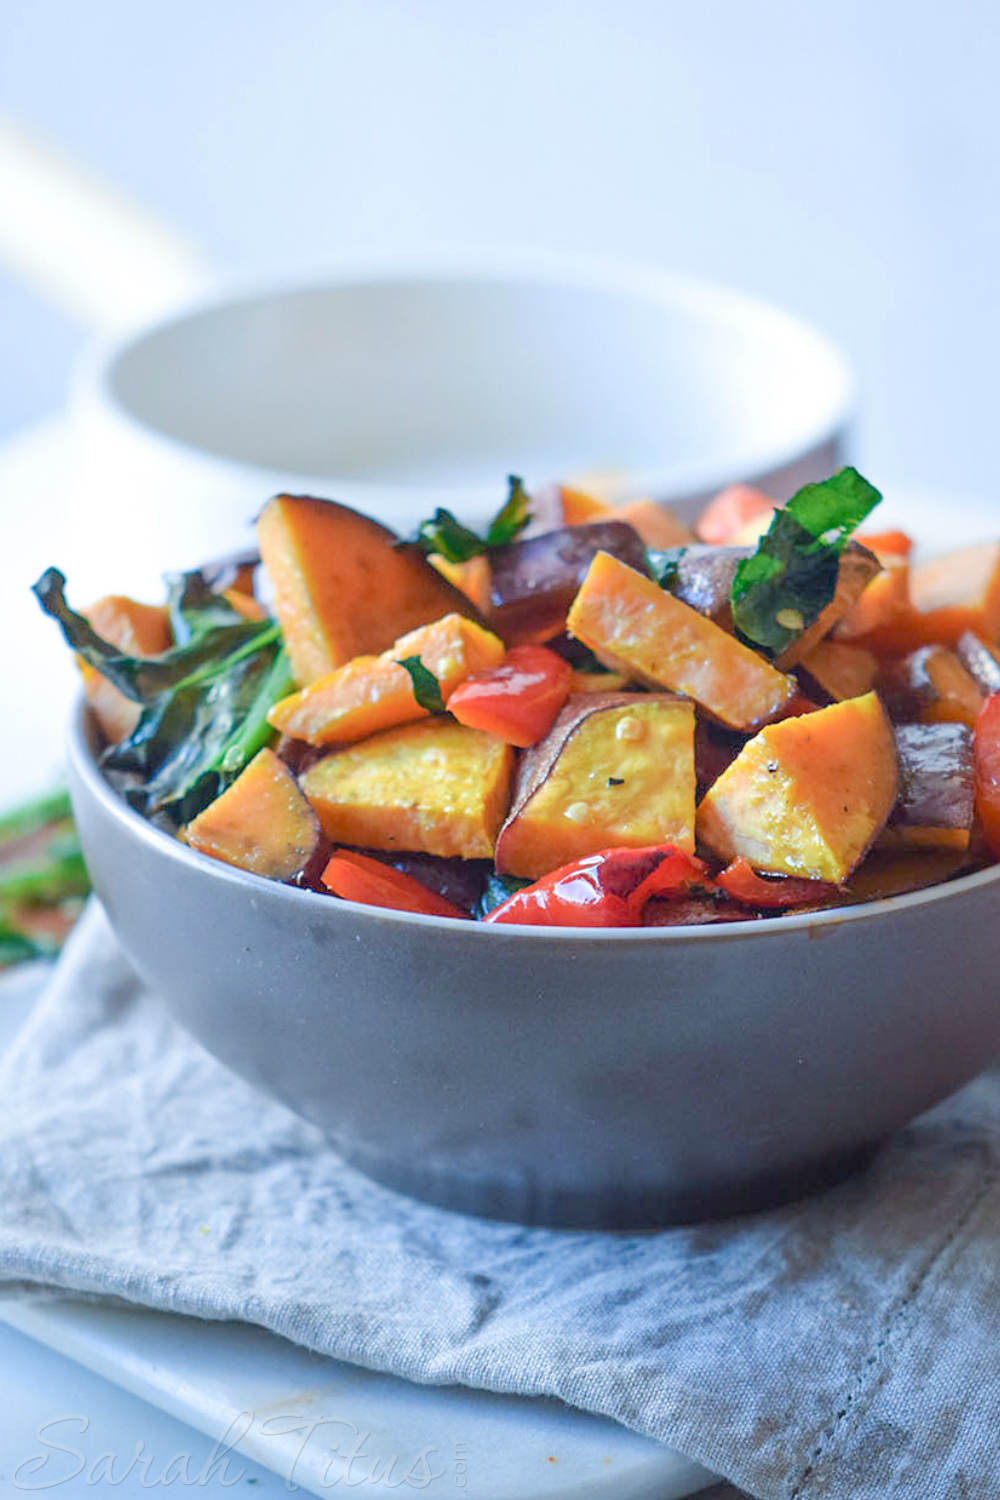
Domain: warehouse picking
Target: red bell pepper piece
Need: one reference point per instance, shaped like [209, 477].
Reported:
[358, 877]
[608, 889]
[518, 701]
[986, 760]
[740, 881]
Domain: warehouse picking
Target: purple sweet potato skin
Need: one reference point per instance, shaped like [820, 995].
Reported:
[936, 777]
[534, 581]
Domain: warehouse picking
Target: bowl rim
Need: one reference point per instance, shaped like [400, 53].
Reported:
[84, 763]
[95, 379]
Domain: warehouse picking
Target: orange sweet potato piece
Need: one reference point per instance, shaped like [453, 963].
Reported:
[342, 586]
[372, 693]
[807, 796]
[930, 685]
[656, 524]
[884, 619]
[579, 508]
[261, 823]
[472, 577]
[632, 626]
[137, 630]
[840, 669]
[858, 567]
[957, 592]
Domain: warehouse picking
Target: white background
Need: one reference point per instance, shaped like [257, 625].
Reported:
[839, 156]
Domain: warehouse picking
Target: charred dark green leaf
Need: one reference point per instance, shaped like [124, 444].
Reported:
[792, 576]
[426, 688]
[663, 564]
[446, 536]
[144, 678]
[204, 702]
[456, 543]
[191, 743]
[195, 608]
[512, 518]
[498, 889]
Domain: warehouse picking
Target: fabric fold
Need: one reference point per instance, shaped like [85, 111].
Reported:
[847, 1345]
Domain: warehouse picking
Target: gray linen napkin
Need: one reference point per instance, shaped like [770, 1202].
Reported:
[846, 1346]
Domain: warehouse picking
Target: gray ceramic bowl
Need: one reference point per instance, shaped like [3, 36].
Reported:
[613, 1079]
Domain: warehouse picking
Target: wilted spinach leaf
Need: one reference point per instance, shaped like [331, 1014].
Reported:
[498, 889]
[456, 543]
[426, 688]
[204, 701]
[792, 576]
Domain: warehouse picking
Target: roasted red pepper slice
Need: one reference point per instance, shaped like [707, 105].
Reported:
[740, 881]
[986, 759]
[358, 877]
[518, 701]
[608, 889]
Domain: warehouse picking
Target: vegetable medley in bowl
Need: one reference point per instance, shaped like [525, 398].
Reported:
[588, 717]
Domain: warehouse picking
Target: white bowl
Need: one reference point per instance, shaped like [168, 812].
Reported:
[397, 388]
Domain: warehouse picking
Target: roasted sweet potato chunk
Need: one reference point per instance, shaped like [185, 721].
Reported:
[534, 581]
[343, 586]
[632, 626]
[433, 788]
[930, 685]
[981, 661]
[137, 630]
[935, 804]
[615, 771]
[262, 823]
[840, 670]
[807, 796]
[959, 591]
[858, 567]
[372, 693]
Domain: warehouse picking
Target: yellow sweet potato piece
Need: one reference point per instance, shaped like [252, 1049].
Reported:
[261, 823]
[632, 626]
[807, 796]
[433, 788]
[137, 630]
[840, 669]
[342, 587]
[597, 682]
[372, 693]
[615, 771]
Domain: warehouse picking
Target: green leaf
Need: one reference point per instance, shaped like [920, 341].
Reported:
[663, 564]
[498, 889]
[190, 744]
[791, 578]
[426, 688]
[447, 536]
[144, 678]
[512, 518]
